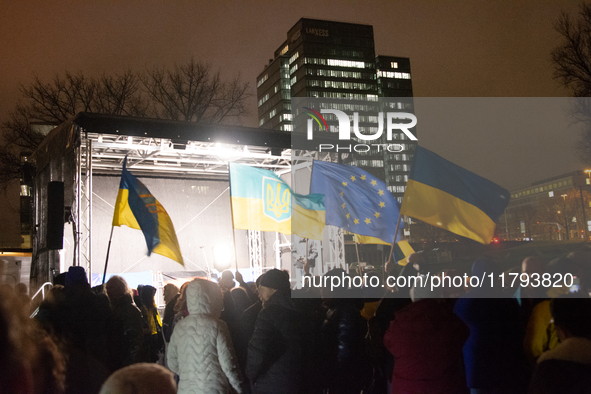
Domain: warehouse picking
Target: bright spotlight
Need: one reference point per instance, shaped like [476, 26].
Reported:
[222, 257]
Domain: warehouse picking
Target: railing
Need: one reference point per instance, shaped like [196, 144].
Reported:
[42, 291]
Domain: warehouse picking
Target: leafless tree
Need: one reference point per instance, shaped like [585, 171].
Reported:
[193, 92]
[572, 58]
[189, 92]
[52, 103]
[572, 67]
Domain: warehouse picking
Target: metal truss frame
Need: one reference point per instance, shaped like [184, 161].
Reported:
[336, 240]
[193, 159]
[104, 154]
[255, 255]
[82, 209]
[337, 247]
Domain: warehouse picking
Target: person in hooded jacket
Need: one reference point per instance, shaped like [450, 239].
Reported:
[426, 340]
[493, 354]
[200, 349]
[275, 360]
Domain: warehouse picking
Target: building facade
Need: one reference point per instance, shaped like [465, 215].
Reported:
[336, 60]
[556, 208]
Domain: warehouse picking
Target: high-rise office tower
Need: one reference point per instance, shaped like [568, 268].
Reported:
[337, 60]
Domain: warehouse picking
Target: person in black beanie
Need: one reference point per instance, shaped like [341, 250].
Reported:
[275, 357]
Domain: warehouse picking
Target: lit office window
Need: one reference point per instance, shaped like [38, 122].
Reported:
[262, 80]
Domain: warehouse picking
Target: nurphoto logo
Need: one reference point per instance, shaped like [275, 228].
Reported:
[392, 121]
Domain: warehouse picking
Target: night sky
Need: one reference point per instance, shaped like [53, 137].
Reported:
[457, 49]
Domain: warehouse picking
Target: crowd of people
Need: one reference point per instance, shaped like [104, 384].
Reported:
[265, 337]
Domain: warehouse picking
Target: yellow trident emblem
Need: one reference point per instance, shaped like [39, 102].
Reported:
[278, 203]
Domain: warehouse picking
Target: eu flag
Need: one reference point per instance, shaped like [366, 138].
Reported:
[356, 201]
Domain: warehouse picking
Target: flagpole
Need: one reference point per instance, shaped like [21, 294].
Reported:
[232, 214]
[107, 259]
[394, 241]
[357, 250]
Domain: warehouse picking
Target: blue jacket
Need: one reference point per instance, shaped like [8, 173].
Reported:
[493, 353]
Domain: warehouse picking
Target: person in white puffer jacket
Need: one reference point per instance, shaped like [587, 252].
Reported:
[200, 349]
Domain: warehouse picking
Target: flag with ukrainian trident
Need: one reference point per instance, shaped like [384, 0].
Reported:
[263, 201]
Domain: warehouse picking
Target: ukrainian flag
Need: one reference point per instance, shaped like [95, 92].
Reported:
[137, 208]
[446, 195]
[401, 252]
[263, 201]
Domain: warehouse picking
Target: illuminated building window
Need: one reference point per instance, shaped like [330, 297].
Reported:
[336, 62]
[262, 80]
[264, 99]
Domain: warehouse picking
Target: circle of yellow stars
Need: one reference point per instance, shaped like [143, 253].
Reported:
[373, 183]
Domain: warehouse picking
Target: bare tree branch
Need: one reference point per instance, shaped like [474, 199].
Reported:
[572, 67]
[190, 92]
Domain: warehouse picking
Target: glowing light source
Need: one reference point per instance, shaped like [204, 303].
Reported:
[222, 257]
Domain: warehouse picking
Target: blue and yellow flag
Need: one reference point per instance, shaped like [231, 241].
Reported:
[446, 195]
[356, 201]
[137, 208]
[401, 252]
[263, 201]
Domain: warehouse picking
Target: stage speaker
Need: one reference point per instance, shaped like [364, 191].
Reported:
[55, 216]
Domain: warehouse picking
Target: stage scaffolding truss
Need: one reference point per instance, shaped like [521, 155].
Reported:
[95, 144]
[104, 154]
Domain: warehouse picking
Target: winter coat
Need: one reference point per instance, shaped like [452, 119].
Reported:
[200, 349]
[565, 369]
[347, 364]
[540, 332]
[168, 317]
[493, 354]
[426, 340]
[129, 320]
[276, 350]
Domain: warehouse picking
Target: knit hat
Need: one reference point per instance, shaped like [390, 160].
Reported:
[275, 279]
[76, 275]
